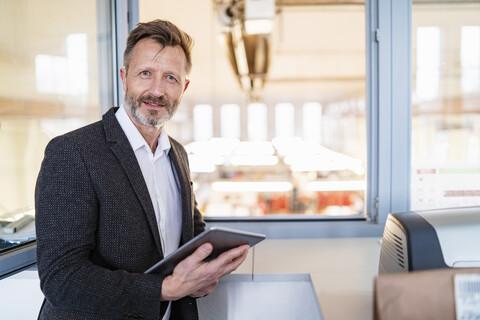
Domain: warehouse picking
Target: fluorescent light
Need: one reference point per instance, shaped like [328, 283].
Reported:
[293, 146]
[243, 160]
[259, 26]
[325, 160]
[77, 63]
[470, 51]
[256, 148]
[202, 167]
[352, 185]
[214, 146]
[315, 163]
[64, 75]
[259, 186]
[204, 163]
[428, 62]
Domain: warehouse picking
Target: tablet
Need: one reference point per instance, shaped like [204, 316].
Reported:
[222, 239]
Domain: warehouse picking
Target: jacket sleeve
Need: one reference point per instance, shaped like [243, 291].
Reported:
[67, 210]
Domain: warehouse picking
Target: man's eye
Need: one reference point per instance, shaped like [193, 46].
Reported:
[145, 73]
[170, 77]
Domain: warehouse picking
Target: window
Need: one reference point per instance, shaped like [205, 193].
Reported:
[290, 137]
[48, 58]
[446, 100]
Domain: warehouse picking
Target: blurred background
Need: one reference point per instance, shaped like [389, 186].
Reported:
[274, 119]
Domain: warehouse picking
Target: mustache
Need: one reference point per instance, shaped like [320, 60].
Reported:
[151, 99]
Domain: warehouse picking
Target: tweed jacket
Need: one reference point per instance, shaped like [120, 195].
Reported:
[96, 228]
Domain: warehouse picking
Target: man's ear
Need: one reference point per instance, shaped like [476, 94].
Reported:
[187, 82]
[123, 75]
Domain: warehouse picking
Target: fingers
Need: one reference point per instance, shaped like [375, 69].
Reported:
[230, 260]
[234, 254]
[197, 278]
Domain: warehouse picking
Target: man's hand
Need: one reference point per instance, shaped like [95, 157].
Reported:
[196, 278]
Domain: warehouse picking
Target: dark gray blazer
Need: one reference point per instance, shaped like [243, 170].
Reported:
[96, 228]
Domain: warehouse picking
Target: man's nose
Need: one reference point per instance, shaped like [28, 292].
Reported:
[157, 87]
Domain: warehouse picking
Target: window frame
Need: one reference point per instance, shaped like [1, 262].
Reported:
[388, 100]
[390, 89]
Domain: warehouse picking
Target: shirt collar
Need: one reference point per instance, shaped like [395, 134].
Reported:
[135, 137]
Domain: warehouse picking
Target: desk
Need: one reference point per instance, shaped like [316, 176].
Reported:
[342, 270]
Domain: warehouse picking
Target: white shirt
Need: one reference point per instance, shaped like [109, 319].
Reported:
[162, 183]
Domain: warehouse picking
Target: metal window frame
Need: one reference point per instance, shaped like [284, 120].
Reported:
[389, 107]
[118, 19]
[18, 258]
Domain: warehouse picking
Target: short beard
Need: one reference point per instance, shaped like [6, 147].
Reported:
[133, 106]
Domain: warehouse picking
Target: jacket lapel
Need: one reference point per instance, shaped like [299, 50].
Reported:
[180, 164]
[122, 149]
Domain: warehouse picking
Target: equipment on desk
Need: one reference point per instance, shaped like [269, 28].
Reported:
[17, 228]
[19, 224]
[431, 239]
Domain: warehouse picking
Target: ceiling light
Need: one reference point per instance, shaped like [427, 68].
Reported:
[258, 186]
[259, 26]
[352, 185]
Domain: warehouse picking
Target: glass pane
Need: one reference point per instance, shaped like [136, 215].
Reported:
[297, 142]
[446, 104]
[48, 58]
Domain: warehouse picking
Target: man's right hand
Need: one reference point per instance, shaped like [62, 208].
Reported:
[196, 278]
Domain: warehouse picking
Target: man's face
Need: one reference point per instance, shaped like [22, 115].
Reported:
[154, 83]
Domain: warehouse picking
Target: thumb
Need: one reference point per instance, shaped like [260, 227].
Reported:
[203, 252]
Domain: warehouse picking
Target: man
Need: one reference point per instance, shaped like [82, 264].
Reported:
[115, 197]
